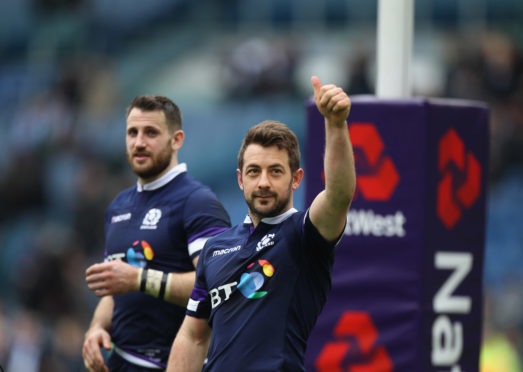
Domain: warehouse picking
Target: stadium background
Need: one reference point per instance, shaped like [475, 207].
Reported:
[68, 68]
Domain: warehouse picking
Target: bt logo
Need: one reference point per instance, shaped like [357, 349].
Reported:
[460, 185]
[136, 258]
[250, 283]
[133, 255]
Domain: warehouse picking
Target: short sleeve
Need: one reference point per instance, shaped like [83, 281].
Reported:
[204, 216]
[199, 305]
[314, 240]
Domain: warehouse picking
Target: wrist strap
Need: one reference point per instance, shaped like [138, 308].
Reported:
[154, 282]
[163, 284]
[143, 280]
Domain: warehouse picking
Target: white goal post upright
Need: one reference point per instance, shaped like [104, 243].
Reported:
[394, 48]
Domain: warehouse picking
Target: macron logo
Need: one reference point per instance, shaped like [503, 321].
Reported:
[219, 252]
[121, 217]
[366, 222]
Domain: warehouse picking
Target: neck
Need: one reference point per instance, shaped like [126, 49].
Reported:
[172, 164]
[256, 218]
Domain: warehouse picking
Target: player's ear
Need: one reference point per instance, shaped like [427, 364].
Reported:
[177, 139]
[297, 177]
[240, 179]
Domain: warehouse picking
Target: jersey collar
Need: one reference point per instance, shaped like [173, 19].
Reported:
[273, 220]
[163, 180]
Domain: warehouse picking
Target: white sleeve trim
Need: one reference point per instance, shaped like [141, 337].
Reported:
[192, 305]
[197, 245]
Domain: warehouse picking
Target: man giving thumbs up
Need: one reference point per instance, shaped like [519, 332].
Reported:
[261, 285]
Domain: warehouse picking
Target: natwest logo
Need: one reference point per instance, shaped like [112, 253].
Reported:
[460, 185]
[377, 175]
[355, 348]
[366, 222]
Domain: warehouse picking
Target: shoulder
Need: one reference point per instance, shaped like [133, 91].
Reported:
[184, 184]
[199, 196]
[300, 224]
[198, 188]
[299, 216]
[225, 237]
[296, 220]
[231, 233]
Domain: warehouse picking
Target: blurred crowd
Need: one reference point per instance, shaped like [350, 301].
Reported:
[64, 87]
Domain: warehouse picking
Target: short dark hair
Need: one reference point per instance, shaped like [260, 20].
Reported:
[272, 133]
[172, 113]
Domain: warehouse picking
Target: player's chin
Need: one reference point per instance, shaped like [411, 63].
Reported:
[141, 169]
[264, 203]
[266, 209]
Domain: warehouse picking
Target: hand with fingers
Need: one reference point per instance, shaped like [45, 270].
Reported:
[332, 102]
[95, 338]
[112, 278]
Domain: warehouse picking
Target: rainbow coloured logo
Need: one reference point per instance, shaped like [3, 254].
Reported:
[139, 254]
[254, 280]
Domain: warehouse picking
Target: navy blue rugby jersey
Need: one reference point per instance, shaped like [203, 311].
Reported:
[262, 291]
[163, 226]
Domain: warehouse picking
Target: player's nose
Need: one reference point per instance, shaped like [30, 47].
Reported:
[263, 181]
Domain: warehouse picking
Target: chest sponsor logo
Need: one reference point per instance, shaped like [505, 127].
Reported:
[136, 256]
[220, 252]
[121, 217]
[151, 219]
[251, 282]
[266, 241]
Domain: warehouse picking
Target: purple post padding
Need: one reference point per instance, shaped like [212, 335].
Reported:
[407, 279]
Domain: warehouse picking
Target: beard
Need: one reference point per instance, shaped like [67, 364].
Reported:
[281, 202]
[159, 164]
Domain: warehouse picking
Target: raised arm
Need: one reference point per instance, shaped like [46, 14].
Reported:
[328, 211]
[118, 277]
[190, 346]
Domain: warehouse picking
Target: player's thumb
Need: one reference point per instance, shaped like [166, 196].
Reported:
[106, 342]
[316, 84]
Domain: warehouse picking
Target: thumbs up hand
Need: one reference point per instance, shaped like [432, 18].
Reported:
[332, 102]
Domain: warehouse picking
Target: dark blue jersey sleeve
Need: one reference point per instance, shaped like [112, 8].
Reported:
[314, 240]
[199, 305]
[204, 216]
